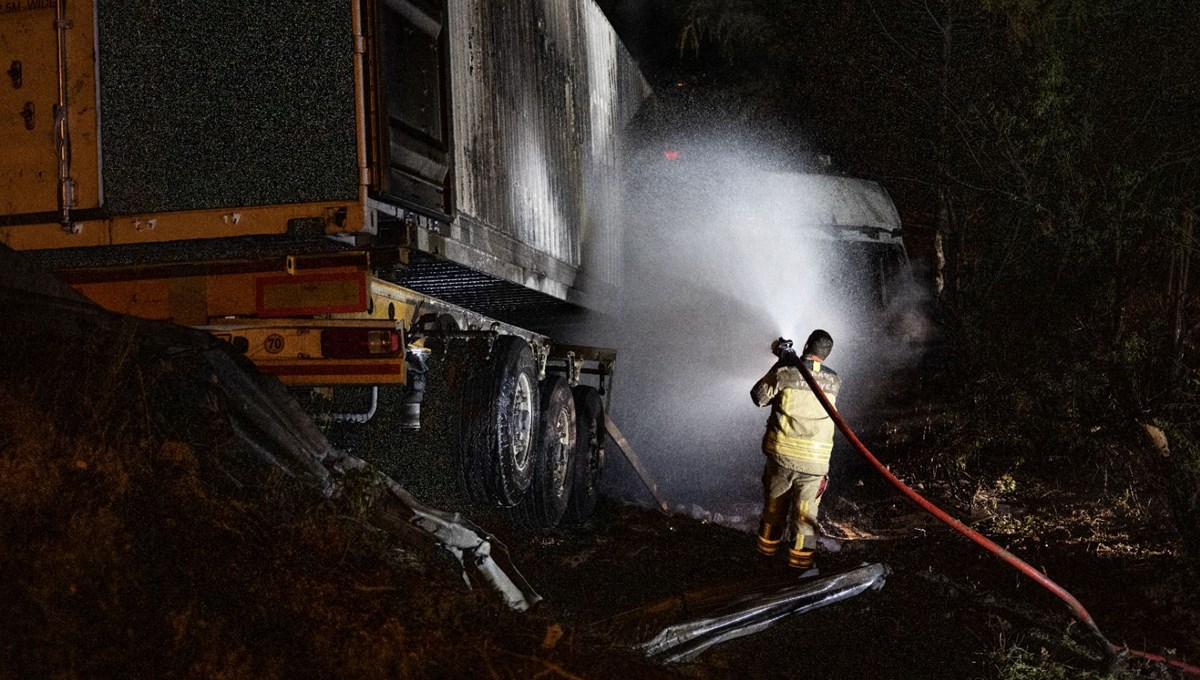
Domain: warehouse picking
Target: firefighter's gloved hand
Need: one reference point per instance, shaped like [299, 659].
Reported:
[783, 349]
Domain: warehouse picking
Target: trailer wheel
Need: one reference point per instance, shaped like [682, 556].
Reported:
[553, 461]
[499, 421]
[589, 454]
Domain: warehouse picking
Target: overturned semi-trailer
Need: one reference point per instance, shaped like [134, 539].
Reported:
[337, 187]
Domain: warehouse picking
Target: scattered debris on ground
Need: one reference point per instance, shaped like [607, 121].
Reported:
[716, 619]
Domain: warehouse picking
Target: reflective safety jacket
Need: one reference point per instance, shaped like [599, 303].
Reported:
[799, 433]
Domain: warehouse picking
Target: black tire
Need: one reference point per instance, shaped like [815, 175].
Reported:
[554, 459]
[499, 425]
[589, 455]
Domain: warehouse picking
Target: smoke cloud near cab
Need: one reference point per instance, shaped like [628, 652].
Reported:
[721, 258]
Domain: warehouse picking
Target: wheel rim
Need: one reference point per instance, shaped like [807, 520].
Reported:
[522, 420]
[562, 449]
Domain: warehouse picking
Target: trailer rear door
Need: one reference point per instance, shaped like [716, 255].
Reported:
[29, 72]
[416, 127]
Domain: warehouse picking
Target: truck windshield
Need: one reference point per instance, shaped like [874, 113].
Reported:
[871, 275]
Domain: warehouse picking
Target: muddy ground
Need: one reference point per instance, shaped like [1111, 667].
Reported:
[947, 610]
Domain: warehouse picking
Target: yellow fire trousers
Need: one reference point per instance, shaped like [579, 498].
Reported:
[793, 498]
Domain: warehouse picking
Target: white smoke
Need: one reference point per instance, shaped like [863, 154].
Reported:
[714, 274]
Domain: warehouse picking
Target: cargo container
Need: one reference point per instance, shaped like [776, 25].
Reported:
[340, 189]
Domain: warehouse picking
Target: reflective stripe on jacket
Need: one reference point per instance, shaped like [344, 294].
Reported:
[799, 431]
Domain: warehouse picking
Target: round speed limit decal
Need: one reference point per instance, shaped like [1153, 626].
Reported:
[273, 343]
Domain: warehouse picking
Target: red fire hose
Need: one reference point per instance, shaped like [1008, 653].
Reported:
[1021, 565]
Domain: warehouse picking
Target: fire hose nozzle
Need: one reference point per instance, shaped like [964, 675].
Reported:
[782, 348]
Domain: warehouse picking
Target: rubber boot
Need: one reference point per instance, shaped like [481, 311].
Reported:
[800, 559]
[770, 529]
[767, 545]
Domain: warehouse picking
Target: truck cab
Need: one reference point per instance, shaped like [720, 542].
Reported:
[856, 221]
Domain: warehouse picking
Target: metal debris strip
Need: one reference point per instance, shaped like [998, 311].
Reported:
[754, 612]
[482, 557]
[267, 418]
[636, 461]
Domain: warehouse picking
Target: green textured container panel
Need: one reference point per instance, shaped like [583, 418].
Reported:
[220, 104]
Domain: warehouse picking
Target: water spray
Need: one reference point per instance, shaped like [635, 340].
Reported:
[726, 250]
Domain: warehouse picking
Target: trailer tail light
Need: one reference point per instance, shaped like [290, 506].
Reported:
[360, 343]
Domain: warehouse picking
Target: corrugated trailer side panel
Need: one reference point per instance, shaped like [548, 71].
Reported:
[226, 103]
[541, 90]
[617, 89]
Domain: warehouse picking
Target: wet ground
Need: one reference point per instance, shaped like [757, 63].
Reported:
[948, 609]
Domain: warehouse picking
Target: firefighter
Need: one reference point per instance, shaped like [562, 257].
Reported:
[797, 445]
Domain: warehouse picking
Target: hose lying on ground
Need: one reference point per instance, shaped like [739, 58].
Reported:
[1024, 567]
